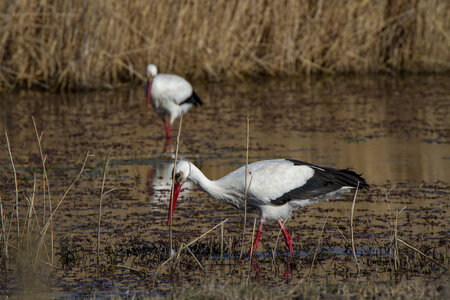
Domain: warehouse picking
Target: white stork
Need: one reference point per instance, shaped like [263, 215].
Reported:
[275, 187]
[169, 95]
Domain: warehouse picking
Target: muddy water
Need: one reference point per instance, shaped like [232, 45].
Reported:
[394, 131]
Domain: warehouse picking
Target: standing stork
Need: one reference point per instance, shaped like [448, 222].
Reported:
[169, 95]
[276, 187]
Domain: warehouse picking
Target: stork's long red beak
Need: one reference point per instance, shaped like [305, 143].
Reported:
[176, 191]
[149, 92]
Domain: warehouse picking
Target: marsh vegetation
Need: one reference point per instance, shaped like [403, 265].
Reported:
[103, 44]
[106, 147]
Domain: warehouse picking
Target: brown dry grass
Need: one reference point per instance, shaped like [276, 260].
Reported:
[414, 289]
[101, 44]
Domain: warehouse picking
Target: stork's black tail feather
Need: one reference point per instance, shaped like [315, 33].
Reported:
[193, 99]
[349, 178]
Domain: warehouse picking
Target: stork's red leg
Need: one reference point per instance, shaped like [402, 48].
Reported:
[167, 145]
[287, 238]
[167, 127]
[258, 235]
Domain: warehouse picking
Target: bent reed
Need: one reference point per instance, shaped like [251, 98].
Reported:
[103, 44]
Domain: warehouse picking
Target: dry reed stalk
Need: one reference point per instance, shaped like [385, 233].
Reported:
[251, 251]
[26, 221]
[396, 255]
[230, 245]
[105, 172]
[178, 257]
[16, 187]
[253, 238]
[45, 228]
[246, 188]
[34, 213]
[45, 183]
[29, 215]
[388, 192]
[5, 241]
[221, 241]
[32, 208]
[44, 173]
[11, 218]
[190, 243]
[346, 240]
[317, 247]
[173, 183]
[195, 258]
[200, 237]
[351, 227]
[417, 250]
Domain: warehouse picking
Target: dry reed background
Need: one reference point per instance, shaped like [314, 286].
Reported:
[102, 44]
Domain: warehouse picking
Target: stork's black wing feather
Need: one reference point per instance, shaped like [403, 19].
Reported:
[324, 181]
[193, 99]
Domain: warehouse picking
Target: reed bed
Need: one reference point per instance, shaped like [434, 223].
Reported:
[102, 44]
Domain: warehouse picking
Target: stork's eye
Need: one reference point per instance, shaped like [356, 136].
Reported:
[177, 176]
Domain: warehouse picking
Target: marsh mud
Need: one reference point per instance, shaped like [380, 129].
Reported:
[393, 130]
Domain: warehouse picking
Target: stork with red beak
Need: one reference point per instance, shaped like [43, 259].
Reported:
[169, 95]
[276, 187]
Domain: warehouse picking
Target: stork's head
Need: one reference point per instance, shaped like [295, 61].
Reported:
[182, 172]
[151, 71]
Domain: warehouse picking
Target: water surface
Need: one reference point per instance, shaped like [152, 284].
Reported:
[393, 131]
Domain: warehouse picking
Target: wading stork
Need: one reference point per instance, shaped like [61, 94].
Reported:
[169, 95]
[275, 188]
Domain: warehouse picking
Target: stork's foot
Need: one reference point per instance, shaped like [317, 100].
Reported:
[287, 272]
[255, 267]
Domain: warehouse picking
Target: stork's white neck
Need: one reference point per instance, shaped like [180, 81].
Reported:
[211, 187]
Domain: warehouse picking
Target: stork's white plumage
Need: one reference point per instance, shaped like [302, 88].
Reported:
[169, 95]
[275, 187]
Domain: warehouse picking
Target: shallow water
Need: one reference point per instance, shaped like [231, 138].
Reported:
[394, 131]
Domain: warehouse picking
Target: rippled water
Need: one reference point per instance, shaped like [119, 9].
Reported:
[394, 131]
